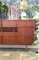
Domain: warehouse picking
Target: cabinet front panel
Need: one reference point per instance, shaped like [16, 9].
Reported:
[9, 23]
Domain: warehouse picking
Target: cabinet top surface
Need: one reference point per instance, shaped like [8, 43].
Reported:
[16, 20]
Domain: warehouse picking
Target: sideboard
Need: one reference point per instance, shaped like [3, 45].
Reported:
[17, 32]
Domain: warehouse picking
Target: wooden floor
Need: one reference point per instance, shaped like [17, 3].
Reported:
[18, 55]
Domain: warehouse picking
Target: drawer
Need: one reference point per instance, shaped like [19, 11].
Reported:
[9, 23]
[25, 23]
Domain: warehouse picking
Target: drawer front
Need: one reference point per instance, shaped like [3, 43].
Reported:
[26, 23]
[8, 23]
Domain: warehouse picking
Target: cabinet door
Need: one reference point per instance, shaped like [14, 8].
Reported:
[9, 38]
[8, 23]
[26, 32]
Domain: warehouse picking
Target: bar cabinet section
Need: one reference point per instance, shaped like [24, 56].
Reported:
[17, 32]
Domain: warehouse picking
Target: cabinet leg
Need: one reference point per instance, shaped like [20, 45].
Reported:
[26, 48]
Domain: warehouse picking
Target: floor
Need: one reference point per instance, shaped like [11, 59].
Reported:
[18, 55]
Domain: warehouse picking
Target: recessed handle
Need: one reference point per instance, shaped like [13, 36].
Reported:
[8, 29]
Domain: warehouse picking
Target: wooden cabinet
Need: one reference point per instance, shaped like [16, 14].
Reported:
[17, 32]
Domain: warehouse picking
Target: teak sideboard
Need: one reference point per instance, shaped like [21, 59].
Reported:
[17, 32]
